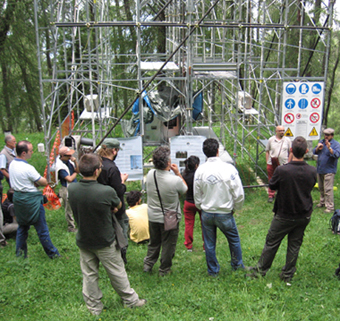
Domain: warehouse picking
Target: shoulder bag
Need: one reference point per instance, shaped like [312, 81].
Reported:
[275, 160]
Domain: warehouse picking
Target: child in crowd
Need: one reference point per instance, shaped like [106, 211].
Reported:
[138, 217]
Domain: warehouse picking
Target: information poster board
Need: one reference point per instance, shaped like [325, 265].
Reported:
[302, 108]
[130, 158]
[183, 147]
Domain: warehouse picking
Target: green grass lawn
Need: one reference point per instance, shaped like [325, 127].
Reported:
[42, 289]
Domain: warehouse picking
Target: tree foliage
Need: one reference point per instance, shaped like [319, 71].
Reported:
[20, 105]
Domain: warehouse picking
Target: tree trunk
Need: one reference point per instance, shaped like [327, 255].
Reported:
[128, 14]
[7, 103]
[35, 112]
[47, 43]
[331, 85]
[121, 59]
[313, 38]
[161, 43]
[6, 18]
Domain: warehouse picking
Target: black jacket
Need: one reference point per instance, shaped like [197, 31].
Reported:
[294, 182]
[110, 175]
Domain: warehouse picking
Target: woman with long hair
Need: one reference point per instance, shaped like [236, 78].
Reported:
[190, 209]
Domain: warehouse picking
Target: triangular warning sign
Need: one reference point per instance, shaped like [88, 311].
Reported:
[289, 133]
[313, 132]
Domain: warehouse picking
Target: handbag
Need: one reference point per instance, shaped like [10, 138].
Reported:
[170, 216]
[275, 162]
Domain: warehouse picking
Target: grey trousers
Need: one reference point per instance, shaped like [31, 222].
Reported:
[10, 228]
[68, 210]
[124, 223]
[111, 260]
[326, 183]
[2, 236]
[166, 240]
[279, 228]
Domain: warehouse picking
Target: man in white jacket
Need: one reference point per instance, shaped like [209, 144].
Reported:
[218, 192]
[66, 172]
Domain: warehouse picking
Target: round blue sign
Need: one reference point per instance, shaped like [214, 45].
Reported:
[304, 89]
[303, 103]
[290, 89]
[316, 89]
[290, 103]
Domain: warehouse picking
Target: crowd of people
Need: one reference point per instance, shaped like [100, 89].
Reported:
[95, 207]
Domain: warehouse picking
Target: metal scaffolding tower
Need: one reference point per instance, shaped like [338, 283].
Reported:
[94, 63]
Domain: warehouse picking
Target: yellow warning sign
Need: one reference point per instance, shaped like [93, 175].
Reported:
[313, 132]
[289, 133]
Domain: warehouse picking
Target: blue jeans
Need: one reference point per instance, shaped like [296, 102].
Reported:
[43, 234]
[226, 223]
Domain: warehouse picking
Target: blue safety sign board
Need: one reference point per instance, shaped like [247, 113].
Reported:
[302, 109]
[290, 89]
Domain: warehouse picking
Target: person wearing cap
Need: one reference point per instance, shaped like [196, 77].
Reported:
[328, 151]
[110, 175]
[66, 172]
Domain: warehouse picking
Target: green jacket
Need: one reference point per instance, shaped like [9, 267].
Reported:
[91, 205]
[27, 207]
